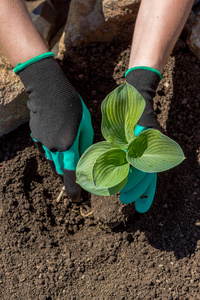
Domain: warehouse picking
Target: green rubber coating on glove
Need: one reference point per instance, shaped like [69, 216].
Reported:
[140, 187]
[144, 203]
[134, 177]
[137, 191]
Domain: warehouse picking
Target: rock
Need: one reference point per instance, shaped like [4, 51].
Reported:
[44, 18]
[31, 5]
[95, 21]
[180, 45]
[193, 40]
[196, 7]
[54, 43]
[49, 18]
[13, 109]
[188, 26]
[110, 211]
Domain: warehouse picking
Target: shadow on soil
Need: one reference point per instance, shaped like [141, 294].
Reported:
[172, 223]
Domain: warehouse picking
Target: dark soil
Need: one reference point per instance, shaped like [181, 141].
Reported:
[51, 250]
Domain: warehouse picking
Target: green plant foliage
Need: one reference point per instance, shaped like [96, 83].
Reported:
[104, 167]
[121, 111]
[110, 168]
[84, 170]
[154, 152]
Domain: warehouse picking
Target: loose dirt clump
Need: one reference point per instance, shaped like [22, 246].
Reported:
[51, 250]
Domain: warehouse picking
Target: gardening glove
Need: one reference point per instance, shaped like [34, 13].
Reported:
[59, 120]
[141, 186]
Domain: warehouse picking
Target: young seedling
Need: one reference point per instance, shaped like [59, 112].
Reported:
[103, 168]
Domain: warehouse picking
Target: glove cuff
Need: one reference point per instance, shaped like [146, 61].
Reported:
[143, 68]
[31, 61]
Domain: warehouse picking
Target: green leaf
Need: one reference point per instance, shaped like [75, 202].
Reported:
[84, 176]
[153, 151]
[110, 168]
[121, 111]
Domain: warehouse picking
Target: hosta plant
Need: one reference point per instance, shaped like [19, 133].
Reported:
[103, 168]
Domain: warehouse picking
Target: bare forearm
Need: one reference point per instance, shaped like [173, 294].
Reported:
[158, 26]
[19, 39]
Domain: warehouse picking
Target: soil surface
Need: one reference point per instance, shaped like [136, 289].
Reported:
[61, 250]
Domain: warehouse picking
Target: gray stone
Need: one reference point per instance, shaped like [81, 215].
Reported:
[13, 109]
[49, 18]
[54, 43]
[44, 18]
[188, 26]
[96, 21]
[193, 40]
[31, 5]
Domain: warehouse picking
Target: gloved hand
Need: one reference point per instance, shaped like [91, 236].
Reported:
[140, 187]
[59, 120]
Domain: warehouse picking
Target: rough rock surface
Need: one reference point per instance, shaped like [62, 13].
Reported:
[194, 39]
[31, 5]
[98, 21]
[13, 109]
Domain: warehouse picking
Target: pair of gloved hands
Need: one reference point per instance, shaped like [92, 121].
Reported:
[62, 129]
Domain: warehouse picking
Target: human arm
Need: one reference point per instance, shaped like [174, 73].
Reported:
[158, 26]
[19, 39]
[59, 120]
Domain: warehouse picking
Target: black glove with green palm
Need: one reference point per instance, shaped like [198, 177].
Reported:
[59, 120]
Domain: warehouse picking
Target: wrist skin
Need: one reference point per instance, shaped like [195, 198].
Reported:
[19, 38]
[156, 34]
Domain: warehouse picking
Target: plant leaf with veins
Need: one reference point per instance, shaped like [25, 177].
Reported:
[84, 175]
[103, 169]
[110, 168]
[121, 111]
[154, 152]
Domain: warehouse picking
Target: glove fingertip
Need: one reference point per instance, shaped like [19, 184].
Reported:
[143, 204]
[72, 188]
